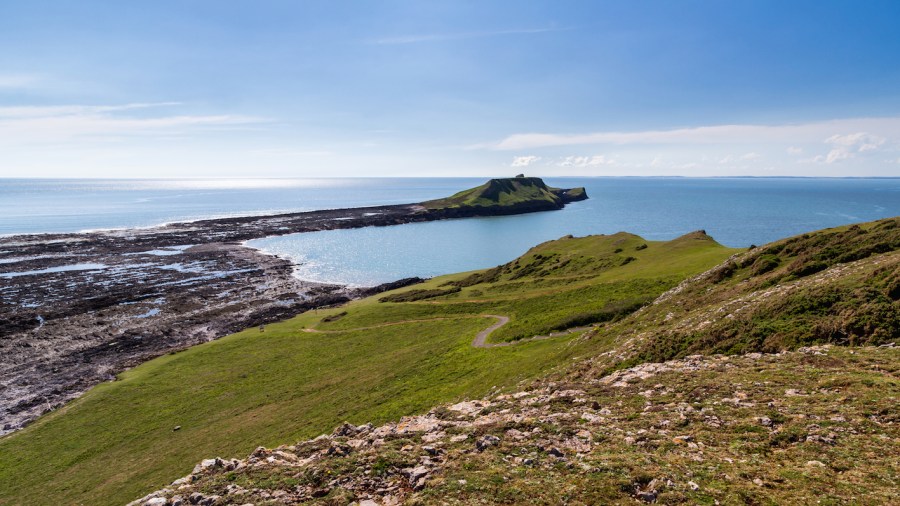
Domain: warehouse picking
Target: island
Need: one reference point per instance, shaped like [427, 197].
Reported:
[78, 308]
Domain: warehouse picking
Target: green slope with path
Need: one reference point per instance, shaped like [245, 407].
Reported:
[371, 362]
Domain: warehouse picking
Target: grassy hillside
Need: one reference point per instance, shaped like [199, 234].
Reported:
[509, 193]
[838, 286]
[818, 426]
[369, 361]
[814, 425]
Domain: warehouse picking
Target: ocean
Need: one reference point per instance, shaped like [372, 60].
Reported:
[735, 211]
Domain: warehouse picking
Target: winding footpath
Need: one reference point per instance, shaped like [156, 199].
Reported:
[480, 340]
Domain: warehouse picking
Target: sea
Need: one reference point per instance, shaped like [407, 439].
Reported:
[737, 212]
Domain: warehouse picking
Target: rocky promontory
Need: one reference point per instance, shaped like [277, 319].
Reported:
[76, 309]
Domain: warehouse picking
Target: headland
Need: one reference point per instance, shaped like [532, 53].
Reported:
[78, 308]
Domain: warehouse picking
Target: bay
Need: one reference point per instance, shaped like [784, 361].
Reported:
[737, 212]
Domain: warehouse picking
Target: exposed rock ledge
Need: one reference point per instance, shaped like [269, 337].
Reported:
[76, 309]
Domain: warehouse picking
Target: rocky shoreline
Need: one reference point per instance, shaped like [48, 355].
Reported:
[76, 309]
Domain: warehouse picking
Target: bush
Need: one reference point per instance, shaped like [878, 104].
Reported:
[334, 317]
[414, 295]
[764, 264]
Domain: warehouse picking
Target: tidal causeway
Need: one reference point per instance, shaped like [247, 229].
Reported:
[76, 309]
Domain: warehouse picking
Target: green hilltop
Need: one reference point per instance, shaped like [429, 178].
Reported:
[507, 196]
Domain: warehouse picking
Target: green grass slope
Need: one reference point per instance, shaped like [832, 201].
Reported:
[816, 426]
[519, 192]
[672, 404]
[369, 361]
[835, 286]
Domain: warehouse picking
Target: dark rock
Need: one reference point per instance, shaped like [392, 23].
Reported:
[486, 442]
[647, 496]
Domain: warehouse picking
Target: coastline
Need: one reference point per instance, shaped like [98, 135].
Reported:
[150, 291]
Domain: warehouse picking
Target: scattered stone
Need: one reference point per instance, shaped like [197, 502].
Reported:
[816, 438]
[486, 442]
[647, 496]
[416, 476]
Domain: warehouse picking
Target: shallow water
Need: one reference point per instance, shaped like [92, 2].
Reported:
[51, 270]
[736, 212]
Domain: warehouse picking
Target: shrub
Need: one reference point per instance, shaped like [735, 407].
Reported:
[414, 295]
[764, 264]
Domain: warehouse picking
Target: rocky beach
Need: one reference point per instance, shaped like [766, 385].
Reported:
[76, 309]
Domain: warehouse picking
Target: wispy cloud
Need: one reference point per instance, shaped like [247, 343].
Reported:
[524, 161]
[40, 111]
[18, 81]
[434, 37]
[585, 161]
[848, 146]
[41, 124]
[814, 132]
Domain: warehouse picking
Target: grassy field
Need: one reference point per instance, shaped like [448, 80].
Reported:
[378, 361]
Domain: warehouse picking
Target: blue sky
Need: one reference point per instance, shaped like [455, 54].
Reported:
[415, 88]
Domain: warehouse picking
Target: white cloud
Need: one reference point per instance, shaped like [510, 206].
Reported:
[794, 150]
[42, 124]
[585, 161]
[524, 161]
[888, 127]
[17, 81]
[433, 37]
[849, 145]
[32, 111]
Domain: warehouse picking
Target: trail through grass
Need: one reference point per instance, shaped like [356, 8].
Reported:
[374, 361]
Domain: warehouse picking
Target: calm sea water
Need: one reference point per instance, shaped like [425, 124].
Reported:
[74, 205]
[735, 211]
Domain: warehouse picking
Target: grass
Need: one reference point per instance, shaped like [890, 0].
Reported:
[506, 193]
[848, 396]
[817, 426]
[837, 286]
[117, 442]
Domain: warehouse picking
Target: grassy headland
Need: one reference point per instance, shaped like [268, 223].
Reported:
[507, 196]
[374, 361]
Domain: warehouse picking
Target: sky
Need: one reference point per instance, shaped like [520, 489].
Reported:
[262, 88]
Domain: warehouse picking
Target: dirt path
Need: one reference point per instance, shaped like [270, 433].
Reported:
[480, 340]
[481, 337]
